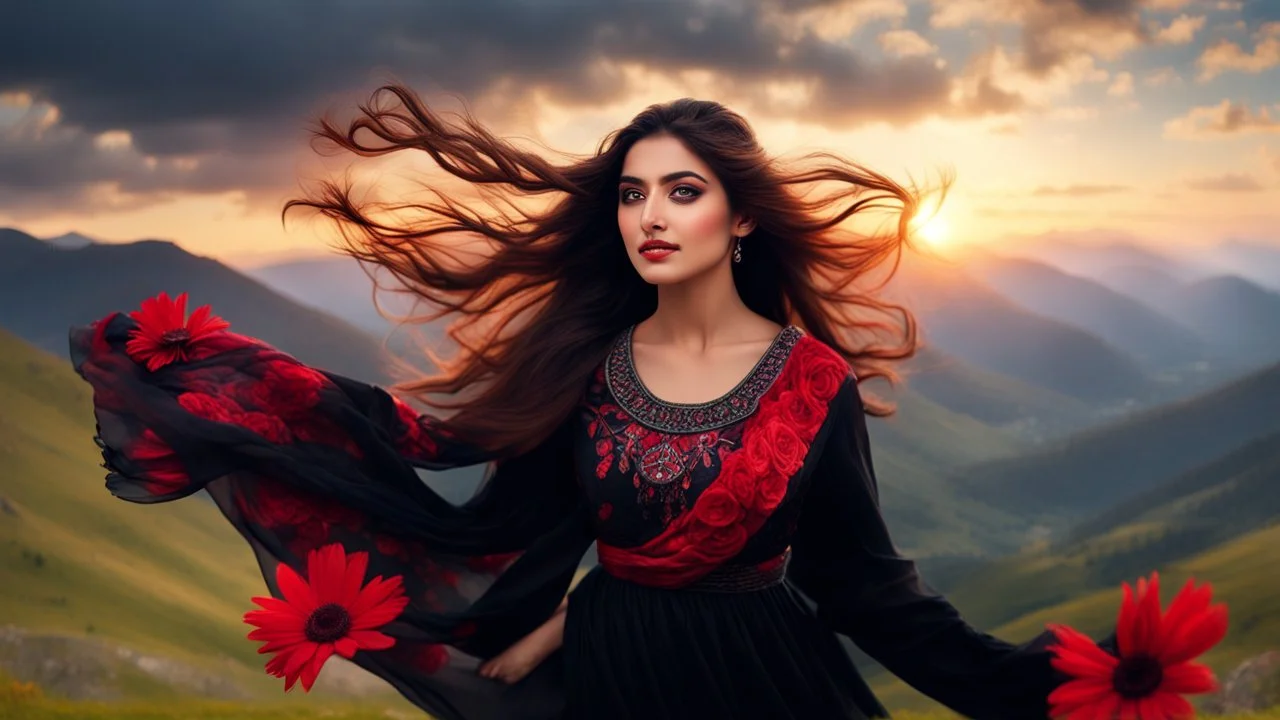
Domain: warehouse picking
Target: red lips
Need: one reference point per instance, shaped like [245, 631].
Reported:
[658, 245]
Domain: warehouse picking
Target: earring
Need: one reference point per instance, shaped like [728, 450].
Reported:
[737, 250]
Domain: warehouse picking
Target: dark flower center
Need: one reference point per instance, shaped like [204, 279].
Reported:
[177, 336]
[1137, 676]
[328, 623]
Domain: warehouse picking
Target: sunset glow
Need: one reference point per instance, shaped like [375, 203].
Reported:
[1156, 120]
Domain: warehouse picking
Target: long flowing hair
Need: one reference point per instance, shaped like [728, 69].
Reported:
[536, 311]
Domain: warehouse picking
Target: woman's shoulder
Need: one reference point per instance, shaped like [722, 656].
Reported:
[812, 359]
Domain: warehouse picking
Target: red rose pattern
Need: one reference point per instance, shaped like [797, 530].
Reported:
[752, 480]
[718, 507]
[163, 472]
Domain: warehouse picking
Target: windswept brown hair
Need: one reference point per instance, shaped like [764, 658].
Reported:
[537, 312]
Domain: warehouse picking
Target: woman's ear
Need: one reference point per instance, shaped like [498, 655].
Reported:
[743, 226]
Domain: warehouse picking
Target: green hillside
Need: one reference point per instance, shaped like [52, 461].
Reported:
[1242, 571]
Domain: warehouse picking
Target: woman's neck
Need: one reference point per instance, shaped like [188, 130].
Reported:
[702, 312]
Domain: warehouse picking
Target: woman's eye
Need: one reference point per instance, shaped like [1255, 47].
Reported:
[689, 193]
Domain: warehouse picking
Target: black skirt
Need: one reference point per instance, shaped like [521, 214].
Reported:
[637, 652]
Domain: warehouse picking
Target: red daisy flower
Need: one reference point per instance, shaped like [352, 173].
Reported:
[333, 612]
[1153, 670]
[165, 335]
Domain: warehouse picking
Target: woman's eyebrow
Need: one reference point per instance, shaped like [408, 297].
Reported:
[665, 178]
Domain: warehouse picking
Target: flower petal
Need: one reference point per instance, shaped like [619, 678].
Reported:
[295, 589]
[346, 647]
[265, 634]
[299, 658]
[378, 591]
[1150, 617]
[312, 669]
[353, 577]
[1188, 603]
[370, 640]
[1188, 679]
[1081, 692]
[326, 567]
[1125, 629]
[1167, 706]
[1080, 648]
[276, 605]
[1197, 635]
[380, 615]
[275, 620]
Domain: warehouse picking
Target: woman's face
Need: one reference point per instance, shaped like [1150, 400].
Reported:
[673, 213]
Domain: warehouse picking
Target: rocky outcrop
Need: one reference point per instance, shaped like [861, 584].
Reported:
[89, 669]
[80, 668]
[1253, 685]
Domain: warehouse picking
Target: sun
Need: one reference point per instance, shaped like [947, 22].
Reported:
[931, 227]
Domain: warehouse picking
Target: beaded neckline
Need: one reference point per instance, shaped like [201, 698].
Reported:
[624, 383]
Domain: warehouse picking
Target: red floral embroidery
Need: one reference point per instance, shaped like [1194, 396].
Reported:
[752, 482]
[431, 658]
[209, 407]
[275, 505]
[163, 472]
[269, 427]
[661, 466]
[287, 389]
[416, 439]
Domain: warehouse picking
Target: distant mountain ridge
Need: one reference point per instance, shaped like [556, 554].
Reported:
[964, 317]
[1089, 471]
[44, 290]
[1120, 320]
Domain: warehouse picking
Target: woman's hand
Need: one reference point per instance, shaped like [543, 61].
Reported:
[514, 663]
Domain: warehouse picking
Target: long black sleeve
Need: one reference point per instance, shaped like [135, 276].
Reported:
[845, 561]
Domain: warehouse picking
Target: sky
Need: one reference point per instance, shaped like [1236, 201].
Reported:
[1157, 120]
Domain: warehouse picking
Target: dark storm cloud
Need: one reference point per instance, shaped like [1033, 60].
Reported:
[236, 81]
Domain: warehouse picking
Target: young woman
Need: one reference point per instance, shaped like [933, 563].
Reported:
[665, 361]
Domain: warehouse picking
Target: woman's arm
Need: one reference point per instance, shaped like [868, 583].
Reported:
[844, 560]
[517, 661]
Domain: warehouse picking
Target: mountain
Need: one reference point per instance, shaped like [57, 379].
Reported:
[44, 290]
[966, 318]
[1106, 465]
[1015, 406]
[1146, 284]
[1118, 319]
[1093, 254]
[1255, 261]
[1236, 316]
[337, 285]
[70, 241]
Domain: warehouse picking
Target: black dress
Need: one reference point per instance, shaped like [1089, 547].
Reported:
[715, 525]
